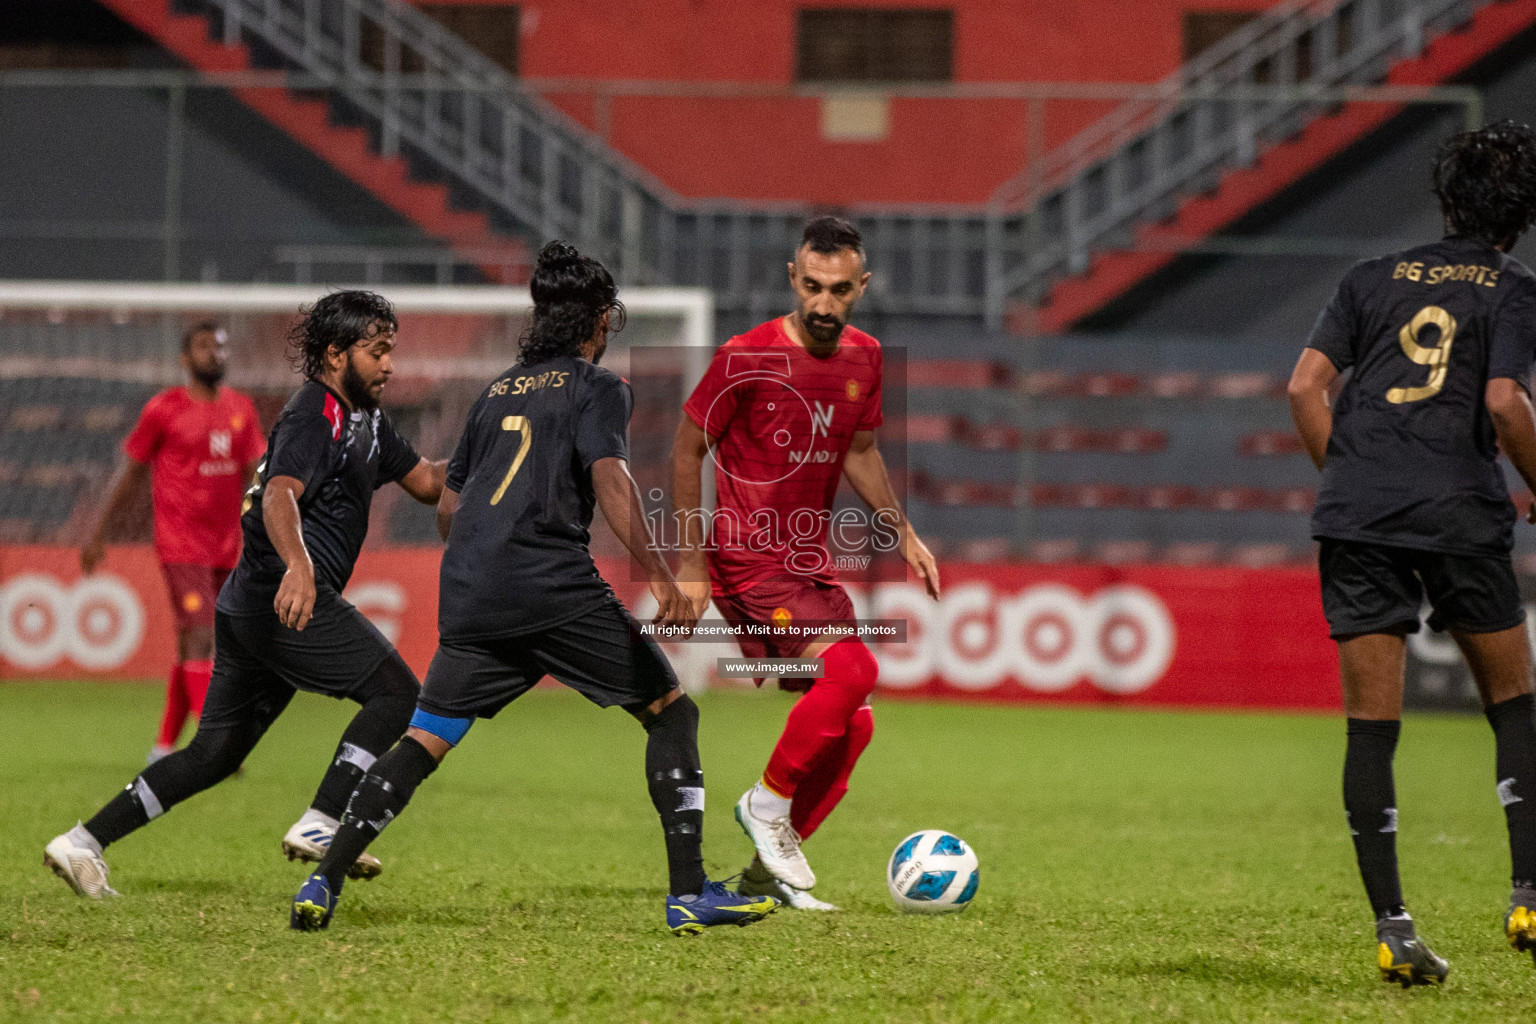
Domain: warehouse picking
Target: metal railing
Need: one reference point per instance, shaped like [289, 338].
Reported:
[1261, 83]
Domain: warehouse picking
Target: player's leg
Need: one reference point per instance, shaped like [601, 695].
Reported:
[192, 598]
[341, 654]
[1371, 598]
[827, 783]
[815, 797]
[388, 698]
[605, 657]
[244, 700]
[174, 715]
[816, 724]
[1479, 600]
[381, 797]
[464, 681]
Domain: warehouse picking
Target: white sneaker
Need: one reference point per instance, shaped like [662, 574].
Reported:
[78, 865]
[308, 840]
[778, 845]
[756, 881]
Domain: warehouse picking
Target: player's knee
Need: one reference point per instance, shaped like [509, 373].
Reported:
[216, 753]
[851, 664]
[392, 690]
[861, 726]
[679, 713]
[196, 643]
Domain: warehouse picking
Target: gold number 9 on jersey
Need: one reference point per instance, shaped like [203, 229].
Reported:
[522, 426]
[1436, 357]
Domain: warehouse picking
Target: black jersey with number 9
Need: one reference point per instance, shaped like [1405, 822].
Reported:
[517, 558]
[1413, 459]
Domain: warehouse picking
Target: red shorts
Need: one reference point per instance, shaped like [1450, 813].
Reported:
[194, 589]
[781, 602]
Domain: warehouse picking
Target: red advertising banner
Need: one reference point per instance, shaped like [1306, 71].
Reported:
[1133, 635]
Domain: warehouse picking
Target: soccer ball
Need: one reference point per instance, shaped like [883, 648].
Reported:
[932, 872]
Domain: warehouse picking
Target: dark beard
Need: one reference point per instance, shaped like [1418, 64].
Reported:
[209, 378]
[355, 389]
[824, 334]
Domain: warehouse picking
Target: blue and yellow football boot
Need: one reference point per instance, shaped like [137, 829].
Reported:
[313, 906]
[689, 915]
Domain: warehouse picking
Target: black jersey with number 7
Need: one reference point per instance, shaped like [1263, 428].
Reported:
[517, 558]
[1413, 459]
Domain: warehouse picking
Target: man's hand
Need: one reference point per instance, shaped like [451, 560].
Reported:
[922, 561]
[295, 601]
[91, 555]
[693, 579]
[673, 607]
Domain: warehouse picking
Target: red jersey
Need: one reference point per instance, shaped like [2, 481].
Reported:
[784, 419]
[196, 451]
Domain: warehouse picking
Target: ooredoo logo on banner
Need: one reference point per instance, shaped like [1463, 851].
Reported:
[96, 622]
[1046, 637]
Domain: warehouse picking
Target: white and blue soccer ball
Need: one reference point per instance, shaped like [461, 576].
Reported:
[933, 872]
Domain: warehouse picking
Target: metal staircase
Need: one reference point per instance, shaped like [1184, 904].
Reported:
[429, 100]
[1257, 88]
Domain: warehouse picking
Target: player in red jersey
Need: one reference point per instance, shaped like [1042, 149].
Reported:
[788, 409]
[200, 443]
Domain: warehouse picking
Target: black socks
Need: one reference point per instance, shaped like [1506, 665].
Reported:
[211, 757]
[676, 783]
[389, 702]
[1514, 732]
[379, 799]
[1371, 805]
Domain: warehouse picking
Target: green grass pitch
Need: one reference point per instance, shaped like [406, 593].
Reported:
[1135, 866]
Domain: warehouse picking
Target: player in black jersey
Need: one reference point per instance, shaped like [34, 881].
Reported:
[1439, 341]
[521, 597]
[281, 623]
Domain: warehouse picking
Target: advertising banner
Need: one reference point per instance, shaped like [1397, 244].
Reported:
[1127, 635]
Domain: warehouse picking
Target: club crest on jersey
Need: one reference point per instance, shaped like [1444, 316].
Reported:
[333, 413]
[821, 419]
[853, 390]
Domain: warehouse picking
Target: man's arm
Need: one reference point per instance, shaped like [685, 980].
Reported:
[295, 601]
[425, 481]
[447, 505]
[865, 469]
[689, 447]
[1308, 392]
[1510, 409]
[619, 499]
[130, 476]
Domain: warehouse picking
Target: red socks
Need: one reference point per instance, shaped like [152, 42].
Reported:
[827, 783]
[184, 693]
[827, 730]
[195, 676]
[175, 715]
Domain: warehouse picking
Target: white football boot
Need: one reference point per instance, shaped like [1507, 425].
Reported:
[310, 838]
[756, 881]
[79, 865]
[778, 845]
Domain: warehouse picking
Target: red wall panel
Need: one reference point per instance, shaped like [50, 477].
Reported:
[937, 151]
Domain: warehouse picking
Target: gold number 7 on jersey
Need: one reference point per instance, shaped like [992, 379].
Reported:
[1436, 357]
[522, 426]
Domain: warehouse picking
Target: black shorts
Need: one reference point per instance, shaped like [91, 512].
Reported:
[258, 662]
[601, 655]
[1373, 588]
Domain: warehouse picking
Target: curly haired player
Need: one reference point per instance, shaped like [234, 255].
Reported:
[280, 623]
[1413, 502]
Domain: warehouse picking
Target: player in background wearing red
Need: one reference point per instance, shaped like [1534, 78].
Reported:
[787, 409]
[200, 443]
